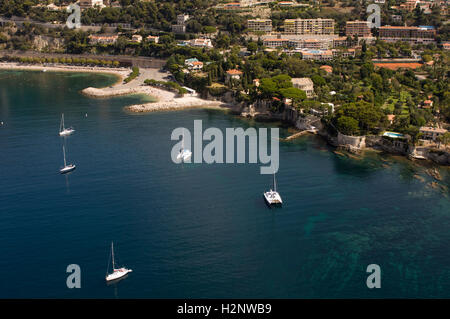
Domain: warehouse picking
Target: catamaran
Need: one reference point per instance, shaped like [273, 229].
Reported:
[184, 154]
[66, 168]
[272, 197]
[64, 131]
[117, 272]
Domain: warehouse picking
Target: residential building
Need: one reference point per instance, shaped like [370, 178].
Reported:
[194, 65]
[180, 27]
[153, 39]
[259, 25]
[233, 74]
[446, 45]
[136, 38]
[317, 55]
[275, 43]
[359, 28]
[304, 84]
[103, 39]
[414, 35]
[409, 5]
[427, 104]
[431, 133]
[391, 118]
[182, 19]
[348, 53]
[309, 26]
[340, 42]
[396, 18]
[84, 4]
[201, 43]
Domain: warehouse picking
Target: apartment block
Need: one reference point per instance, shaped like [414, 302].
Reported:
[276, 43]
[413, 35]
[262, 25]
[358, 28]
[309, 26]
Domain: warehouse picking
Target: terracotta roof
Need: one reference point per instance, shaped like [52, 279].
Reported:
[395, 66]
[234, 72]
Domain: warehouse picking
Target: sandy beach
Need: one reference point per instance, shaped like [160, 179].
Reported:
[165, 100]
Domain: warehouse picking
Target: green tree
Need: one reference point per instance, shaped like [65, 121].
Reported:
[347, 125]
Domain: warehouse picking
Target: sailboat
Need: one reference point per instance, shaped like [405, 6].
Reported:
[117, 272]
[64, 131]
[272, 197]
[66, 168]
[184, 154]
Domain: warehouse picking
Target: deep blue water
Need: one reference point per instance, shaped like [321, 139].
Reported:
[200, 230]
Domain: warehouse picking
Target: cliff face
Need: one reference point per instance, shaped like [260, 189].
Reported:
[44, 43]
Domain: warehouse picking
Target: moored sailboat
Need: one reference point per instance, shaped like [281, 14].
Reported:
[117, 272]
[272, 197]
[67, 167]
[62, 130]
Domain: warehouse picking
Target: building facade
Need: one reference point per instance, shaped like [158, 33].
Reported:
[431, 133]
[413, 35]
[84, 4]
[304, 84]
[261, 25]
[309, 26]
[359, 28]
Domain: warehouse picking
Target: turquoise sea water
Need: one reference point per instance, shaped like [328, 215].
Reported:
[201, 230]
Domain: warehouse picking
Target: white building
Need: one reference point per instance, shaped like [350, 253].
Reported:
[201, 43]
[84, 4]
[304, 84]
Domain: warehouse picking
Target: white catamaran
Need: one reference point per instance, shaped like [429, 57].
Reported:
[117, 272]
[184, 154]
[272, 197]
[64, 131]
[67, 167]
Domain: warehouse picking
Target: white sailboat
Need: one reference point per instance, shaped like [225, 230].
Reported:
[64, 131]
[272, 197]
[66, 168]
[117, 272]
[184, 154]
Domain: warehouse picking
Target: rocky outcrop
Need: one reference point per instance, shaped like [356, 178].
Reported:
[45, 43]
[352, 144]
[438, 156]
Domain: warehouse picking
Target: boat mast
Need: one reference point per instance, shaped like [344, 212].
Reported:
[61, 126]
[112, 253]
[64, 152]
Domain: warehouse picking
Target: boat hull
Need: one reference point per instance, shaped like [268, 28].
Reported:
[184, 156]
[117, 274]
[66, 132]
[273, 199]
[67, 169]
